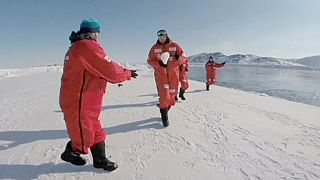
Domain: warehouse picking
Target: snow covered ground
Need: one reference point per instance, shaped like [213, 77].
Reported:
[220, 134]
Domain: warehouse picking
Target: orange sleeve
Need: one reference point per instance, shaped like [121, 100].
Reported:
[153, 61]
[187, 64]
[218, 65]
[97, 62]
[181, 53]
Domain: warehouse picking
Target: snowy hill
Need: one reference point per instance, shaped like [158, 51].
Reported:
[219, 134]
[4, 73]
[253, 60]
[310, 61]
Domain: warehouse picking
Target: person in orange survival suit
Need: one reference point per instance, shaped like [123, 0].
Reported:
[87, 69]
[166, 74]
[211, 67]
[183, 78]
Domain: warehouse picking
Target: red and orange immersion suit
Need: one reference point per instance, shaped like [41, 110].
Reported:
[211, 72]
[183, 75]
[167, 78]
[87, 69]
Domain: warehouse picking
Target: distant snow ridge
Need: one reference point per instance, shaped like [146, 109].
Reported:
[253, 60]
[139, 67]
[5, 73]
[310, 61]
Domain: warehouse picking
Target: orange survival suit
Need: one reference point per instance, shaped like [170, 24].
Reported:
[87, 69]
[211, 67]
[167, 78]
[183, 75]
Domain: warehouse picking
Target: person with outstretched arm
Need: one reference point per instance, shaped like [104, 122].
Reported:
[86, 73]
[211, 67]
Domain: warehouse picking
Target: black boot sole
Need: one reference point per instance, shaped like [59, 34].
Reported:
[78, 161]
[106, 168]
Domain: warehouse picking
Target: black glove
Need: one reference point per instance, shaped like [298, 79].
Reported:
[119, 85]
[133, 73]
[162, 64]
[223, 63]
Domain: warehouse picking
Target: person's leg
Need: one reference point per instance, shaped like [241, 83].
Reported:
[181, 93]
[174, 84]
[164, 116]
[71, 156]
[99, 157]
[73, 150]
[91, 127]
[164, 104]
[95, 135]
[207, 86]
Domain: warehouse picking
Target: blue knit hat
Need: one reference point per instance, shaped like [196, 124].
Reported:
[89, 25]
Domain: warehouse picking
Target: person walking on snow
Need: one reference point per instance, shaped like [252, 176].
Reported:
[183, 78]
[87, 70]
[211, 67]
[166, 73]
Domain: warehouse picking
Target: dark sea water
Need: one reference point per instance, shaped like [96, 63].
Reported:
[291, 84]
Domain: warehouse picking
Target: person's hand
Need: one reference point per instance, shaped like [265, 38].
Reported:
[177, 56]
[224, 63]
[134, 74]
[119, 85]
[162, 64]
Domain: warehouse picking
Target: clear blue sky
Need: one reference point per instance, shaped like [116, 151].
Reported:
[35, 32]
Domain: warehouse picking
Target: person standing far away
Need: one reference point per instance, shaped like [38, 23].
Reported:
[211, 67]
[183, 78]
[87, 70]
[166, 71]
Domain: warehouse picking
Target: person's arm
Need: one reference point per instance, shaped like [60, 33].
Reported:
[207, 65]
[180, 54]
[187, 62]
[97, 62]
[219, 65]
[154, 61]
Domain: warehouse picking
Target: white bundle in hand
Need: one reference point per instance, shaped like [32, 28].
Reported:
[165, 57]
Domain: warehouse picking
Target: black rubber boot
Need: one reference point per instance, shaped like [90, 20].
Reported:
[207, 87]
[71, 156]
[99, 158]
[164, 117]
[181, 94]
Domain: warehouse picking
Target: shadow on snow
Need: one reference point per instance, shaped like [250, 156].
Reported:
[32, 171]
[17, 138]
